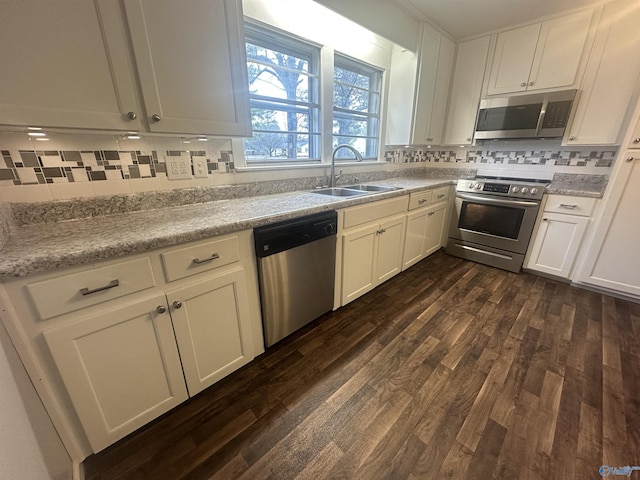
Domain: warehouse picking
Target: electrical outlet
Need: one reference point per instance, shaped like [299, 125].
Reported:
[178, 167]
[200, 167]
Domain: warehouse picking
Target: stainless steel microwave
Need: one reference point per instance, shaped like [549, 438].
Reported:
[541, 115]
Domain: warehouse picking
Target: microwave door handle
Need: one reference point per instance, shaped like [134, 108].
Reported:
[543, 111]
[495, 201]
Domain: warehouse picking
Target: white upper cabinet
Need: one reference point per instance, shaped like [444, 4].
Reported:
[539, 56]
[610, 79]
[420, 82]
[471, 59]
[58, 70]
[191, 63]
[432, 93]
[68, 64]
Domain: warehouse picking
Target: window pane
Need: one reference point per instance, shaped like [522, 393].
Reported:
[283, 90]
[356, 107]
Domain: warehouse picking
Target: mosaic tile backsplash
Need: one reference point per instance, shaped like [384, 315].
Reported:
[416, 154]
[52, 166]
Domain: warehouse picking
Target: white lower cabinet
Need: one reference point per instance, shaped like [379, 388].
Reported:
[121, 368]
[212, 327]
[561, 227]
[425, 230]
[556, 244]
[371, 255]
[111, 346]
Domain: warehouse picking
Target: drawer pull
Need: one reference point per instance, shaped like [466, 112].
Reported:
[570, 206]
[214, 256]
[111, 284]
[420, 202]
[442, 195]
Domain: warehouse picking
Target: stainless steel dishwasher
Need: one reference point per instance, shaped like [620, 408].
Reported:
[296, 270]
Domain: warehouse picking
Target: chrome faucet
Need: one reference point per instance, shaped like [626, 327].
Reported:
[333, 179]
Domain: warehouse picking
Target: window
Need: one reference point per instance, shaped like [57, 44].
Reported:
[284, 96]
[287, 111]
[356, 107]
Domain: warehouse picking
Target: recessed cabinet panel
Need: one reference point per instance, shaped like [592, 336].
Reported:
[192, 66]
[389, 254]
[121, 369]
[194, 259]
[59, 68]
[358, 262]
[211, 322]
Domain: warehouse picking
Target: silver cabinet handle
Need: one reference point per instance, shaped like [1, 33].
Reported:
[213, 256]
[572, 137]
[431, 213]
[111, 284]
[636, 140]
[155, 117]
[177, 304]
[421, 201]
[629, 159]
[161, 309]
[442, 195]
[523, 84]
[570, 206]
[132, 115]
[531, 83]
[468, 139]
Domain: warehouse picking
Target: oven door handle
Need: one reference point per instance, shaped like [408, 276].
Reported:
[495, 201]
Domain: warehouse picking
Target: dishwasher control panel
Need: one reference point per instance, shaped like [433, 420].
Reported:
[278, 237]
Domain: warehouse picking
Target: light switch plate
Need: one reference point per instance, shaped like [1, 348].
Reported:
[178, 167]
[200, 167]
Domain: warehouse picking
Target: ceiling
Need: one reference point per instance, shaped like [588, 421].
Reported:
[465, 18]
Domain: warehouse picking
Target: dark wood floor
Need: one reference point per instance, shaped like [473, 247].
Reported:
[450, 370]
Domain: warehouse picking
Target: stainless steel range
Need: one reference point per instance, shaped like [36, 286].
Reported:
[493, 220]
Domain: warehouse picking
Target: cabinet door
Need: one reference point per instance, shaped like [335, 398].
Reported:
[610, 78]
[389, 249]
[61, 69]
[415, 237]
[432, 91]
[358, 257]
[121, 368]
[191, 63]
[556, 243]
[511, 67]
[435, 228]
[212, 327]
[613, 256]
[559, 51]
[471, 60]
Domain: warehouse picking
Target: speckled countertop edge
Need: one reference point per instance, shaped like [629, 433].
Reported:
[44, 247]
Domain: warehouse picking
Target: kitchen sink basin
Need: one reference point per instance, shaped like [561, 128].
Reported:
[372, 188]
[355, 190]
[340, 192]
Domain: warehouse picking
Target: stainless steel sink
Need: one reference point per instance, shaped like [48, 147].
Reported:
[340, 192]
[372, 188]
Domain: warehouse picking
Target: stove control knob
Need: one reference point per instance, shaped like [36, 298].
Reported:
[525, 190]
[478, 186]
[471, 185]
[534, 191]
[515, 189]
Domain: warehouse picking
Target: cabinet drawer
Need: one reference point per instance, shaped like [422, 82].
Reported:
[581, 206]
[182, 262]
[72, 292]
[375, 210]
[420, 199]
[441, 194]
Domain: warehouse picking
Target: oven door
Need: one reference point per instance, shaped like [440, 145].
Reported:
[493, 221]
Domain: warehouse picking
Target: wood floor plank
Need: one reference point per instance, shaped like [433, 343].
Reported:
[449, 370]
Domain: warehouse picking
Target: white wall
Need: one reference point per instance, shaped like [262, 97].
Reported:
[29, 445]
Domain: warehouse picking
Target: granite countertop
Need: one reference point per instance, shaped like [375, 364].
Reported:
[48, 246]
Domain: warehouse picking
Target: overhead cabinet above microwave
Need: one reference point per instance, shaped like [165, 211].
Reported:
[71, 66]
[540, 56]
